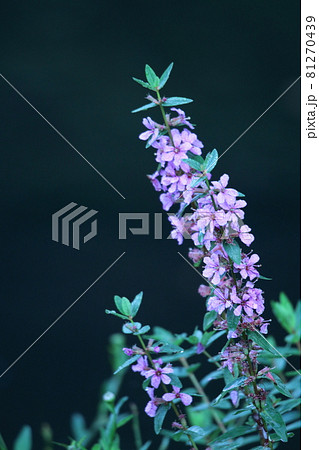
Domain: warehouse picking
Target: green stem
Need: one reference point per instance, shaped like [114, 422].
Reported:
[201, 391]
[136, 427]
[261, 424]
[164, 117]
[174, 407]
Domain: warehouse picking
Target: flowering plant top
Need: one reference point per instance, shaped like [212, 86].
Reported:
[211, 213]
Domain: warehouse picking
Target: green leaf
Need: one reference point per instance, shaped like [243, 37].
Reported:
[136, 303]
[214, 337]
[235, 384]
[165, 76]
[2, 444]
[281, 387]
[233, 433]
[274, 419]
[175, 380]
[232, 320]
[209, 319]
[233, 251]
[197, 158]
[128, 362]
[284, 313]
[260, 340]
[143, 330]
[118, 303]
[196, 431]
[131, 328]
[24, 439]
[261, 277]
[142, 83]
[78, 426]
[194, 164]
[151, 77]
[196, 181]
[124, 420]
[298, 319]
[175, 101]
[114, 313]
[146, 446]
[143, 108]
[287, 405]
[126, 306]
[160, 416]
[211, 160]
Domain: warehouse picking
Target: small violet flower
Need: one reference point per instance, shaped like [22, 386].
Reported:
[186, 399]
[159, 374]
[151, 406]
[152, 131]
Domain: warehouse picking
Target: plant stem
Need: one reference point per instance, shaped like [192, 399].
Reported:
[164, 117]
[136, 427]
[261, 424]
[174, 407]
[201, 391]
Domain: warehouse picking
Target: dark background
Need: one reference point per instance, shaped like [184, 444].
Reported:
[73, 60]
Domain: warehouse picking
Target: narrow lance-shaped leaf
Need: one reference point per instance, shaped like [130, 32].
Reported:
[128, 362]
[193, 164]
[136, 303]
[232, 320]
[165, 76]
[275, 420]
[151, 76]
[24, 439]
[159, 418]
[142, 83]
[176, 101]
[211, 161]
[262, 342]
[233, 251]
[143, 108]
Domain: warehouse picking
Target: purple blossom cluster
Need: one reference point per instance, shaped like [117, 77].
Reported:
[158, 374]
[214, 225]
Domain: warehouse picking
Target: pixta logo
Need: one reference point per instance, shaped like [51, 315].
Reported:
[67, 222]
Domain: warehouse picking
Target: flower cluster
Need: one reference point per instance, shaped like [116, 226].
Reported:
[214, 224]
[159, 375]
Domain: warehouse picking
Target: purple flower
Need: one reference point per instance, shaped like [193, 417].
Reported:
[180, 230]
[151, 406]
[128, 351]
[152, 131]
[244, 303]
[234, 212]
[246, 267]
[200, 348]
[142, 366]
[181, 119]
[167, 201]
[224, 196]
[185, 398]
[191, 138]
[208, 217]
[245, 236]
[155, 182]
[220, 301]
[213, 270]
[234, 398]
[204, 290]
[195, 254]
[159, 375]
